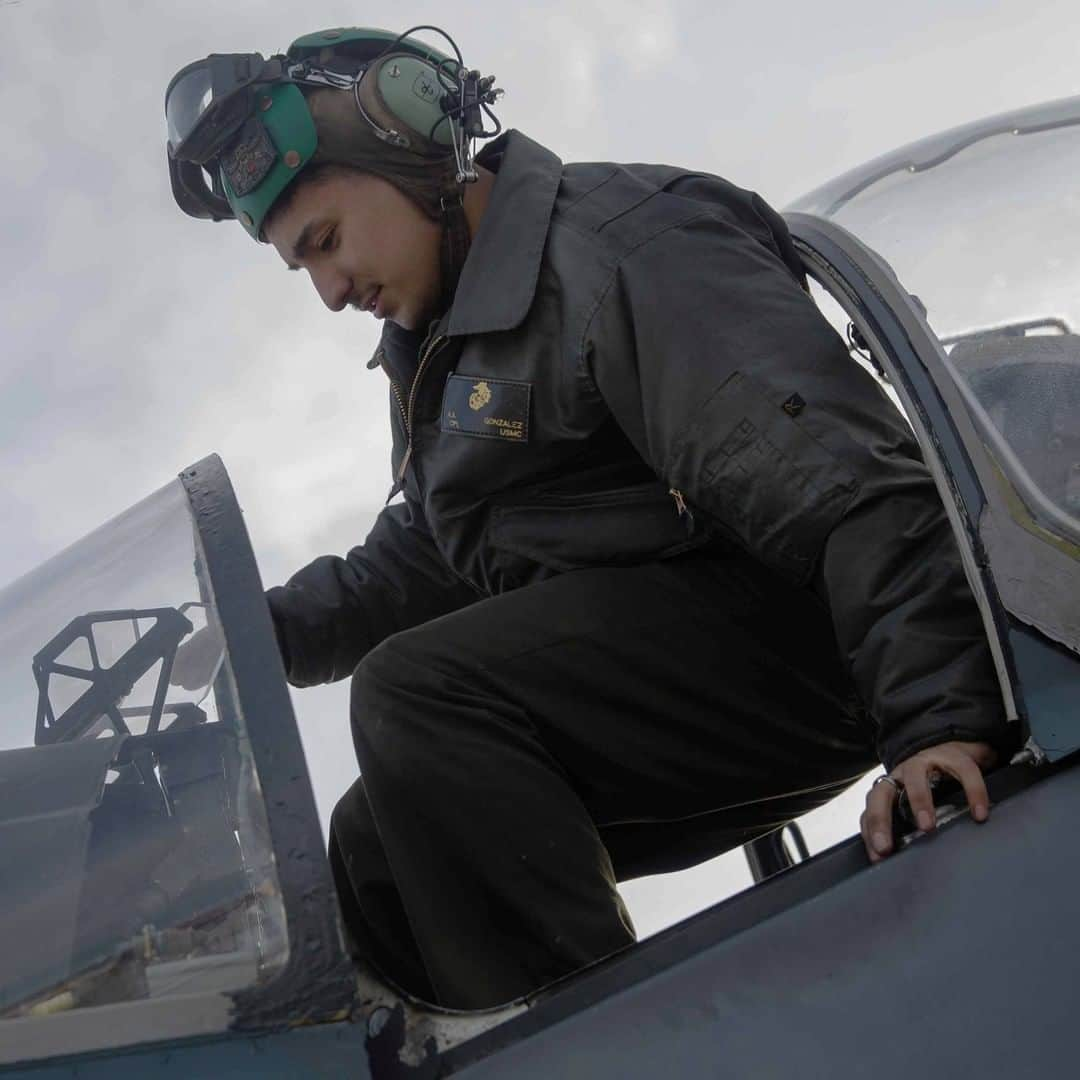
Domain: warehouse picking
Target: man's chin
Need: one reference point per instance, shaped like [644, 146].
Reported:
[408, 320]
[414, 312]
[401, 316]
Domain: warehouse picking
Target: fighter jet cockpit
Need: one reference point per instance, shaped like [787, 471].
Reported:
[952, 266]
[979, 226]
[135, 860]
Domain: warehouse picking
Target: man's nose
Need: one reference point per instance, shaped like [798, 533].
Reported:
[332, 286]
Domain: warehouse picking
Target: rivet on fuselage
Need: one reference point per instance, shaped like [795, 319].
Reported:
[292, 158]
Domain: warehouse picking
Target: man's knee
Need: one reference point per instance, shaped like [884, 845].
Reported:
[351, 814]
[406, 660]
[419, 697]
[397, 691]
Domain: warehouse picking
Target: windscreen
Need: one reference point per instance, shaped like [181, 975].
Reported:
[135, 860]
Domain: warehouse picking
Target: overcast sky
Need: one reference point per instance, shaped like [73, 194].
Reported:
[135, 340]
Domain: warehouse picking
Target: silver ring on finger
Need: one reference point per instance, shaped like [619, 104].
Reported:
[886, 779]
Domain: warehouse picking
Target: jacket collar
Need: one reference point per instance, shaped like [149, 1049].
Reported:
[498, 280]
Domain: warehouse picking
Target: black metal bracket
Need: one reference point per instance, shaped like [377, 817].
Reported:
[98, 707]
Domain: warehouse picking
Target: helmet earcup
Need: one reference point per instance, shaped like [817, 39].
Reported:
[403, 94]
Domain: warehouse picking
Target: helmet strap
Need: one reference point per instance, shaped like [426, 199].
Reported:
[455, 242]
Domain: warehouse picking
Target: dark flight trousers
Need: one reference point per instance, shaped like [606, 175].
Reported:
[520, 756]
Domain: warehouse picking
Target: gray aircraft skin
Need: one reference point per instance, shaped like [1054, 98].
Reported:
[166, 907]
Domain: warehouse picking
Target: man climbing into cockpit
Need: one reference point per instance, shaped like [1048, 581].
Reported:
[662, 568]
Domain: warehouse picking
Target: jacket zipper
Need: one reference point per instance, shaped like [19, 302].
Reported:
[395, 386]
[429, 352]
[407, 410]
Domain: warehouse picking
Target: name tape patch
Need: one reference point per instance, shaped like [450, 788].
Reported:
[486, 408]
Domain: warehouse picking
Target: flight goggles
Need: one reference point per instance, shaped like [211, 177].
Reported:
[208, 101]
[238, 131]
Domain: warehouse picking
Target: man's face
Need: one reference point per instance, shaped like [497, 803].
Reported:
[365, 244]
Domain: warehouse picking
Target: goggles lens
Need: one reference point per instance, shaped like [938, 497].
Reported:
[208, 101]
[186, 103]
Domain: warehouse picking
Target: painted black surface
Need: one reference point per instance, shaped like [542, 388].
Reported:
[957, 955]
[664, 954]
[317, 980]
[666, 951]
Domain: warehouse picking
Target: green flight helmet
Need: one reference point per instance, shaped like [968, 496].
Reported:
[255, 116]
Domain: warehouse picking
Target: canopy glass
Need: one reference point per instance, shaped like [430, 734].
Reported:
[980, 224]
[135, 859]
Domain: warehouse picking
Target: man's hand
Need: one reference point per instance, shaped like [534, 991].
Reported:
[962, 760]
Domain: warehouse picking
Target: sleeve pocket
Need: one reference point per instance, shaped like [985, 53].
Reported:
[762, 477]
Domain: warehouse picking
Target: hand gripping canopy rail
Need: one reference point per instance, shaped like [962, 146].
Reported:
[240, 130]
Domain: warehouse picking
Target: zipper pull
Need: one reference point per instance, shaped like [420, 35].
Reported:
[404, 464]
[683, 509]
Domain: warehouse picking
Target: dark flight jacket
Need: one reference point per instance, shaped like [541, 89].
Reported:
[632, 368]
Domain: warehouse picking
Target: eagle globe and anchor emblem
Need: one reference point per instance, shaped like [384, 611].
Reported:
[480, 396]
